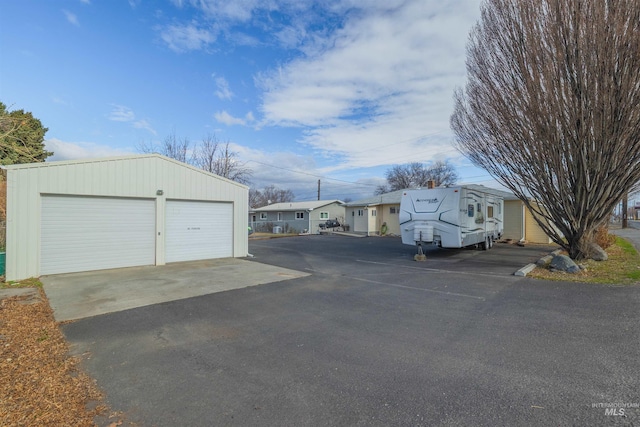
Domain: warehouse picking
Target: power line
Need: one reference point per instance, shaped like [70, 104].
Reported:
[311, 174]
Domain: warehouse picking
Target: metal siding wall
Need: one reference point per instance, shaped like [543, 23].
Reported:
[120, 177]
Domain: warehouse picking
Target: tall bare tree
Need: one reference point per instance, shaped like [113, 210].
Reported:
[172, 147]
[228, 166]
[205, 155]
[552, 108]
[218, 158]
[414, 175]
[209, 155]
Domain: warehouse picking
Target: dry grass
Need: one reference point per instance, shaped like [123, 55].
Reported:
[622, 267]
[41, 385]
[26, 283]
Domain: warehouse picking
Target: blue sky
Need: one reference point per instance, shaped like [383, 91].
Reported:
[303, 90]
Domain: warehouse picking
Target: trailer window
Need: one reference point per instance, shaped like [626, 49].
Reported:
[489, 211]
[470, 211]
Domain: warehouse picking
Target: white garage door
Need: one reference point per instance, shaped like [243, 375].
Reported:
[198, 230]
[95, 233]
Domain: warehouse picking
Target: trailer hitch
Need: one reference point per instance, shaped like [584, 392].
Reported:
[420, 256]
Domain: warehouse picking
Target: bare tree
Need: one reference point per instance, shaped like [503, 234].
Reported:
[214, 157]
[414, 175]
[172, 147]
[228, 166]
[269, 195]
[552, 108]
[210, 155]
[205, 155]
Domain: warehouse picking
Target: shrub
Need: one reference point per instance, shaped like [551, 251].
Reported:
[603, 238]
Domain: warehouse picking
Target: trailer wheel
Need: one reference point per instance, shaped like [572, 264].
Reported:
[485, 245]
[490, 242]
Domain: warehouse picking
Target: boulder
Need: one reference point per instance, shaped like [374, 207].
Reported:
[564, 263]
[596, 253]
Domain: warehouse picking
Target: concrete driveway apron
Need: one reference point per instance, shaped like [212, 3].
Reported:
[78, 295]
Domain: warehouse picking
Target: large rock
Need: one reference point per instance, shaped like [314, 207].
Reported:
[596, 253]
[564, 263]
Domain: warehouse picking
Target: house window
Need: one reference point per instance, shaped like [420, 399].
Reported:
[489, 211]
[299, 215]
[360, 212]
[263, 216]
[393, 210]
[279, 216]
[374, 212]
[324, 215]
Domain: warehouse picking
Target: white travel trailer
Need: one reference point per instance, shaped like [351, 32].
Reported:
[452, 217]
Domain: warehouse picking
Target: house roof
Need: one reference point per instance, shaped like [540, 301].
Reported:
[394, 197]
[296, 206]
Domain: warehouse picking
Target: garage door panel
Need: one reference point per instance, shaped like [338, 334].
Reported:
[94, 233]
[198, 230]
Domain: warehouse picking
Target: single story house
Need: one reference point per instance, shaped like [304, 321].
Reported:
[296, 217]
[367, 216]
[95, 214]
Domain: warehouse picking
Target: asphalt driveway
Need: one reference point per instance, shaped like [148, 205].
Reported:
[371, 337]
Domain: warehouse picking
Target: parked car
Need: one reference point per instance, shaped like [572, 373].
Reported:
[331, 223]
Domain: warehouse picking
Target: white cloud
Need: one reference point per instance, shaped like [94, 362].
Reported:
[227, 119]
[63, 150]
[385, 77]
[85, 1]
[367, 83]
[121, 113]
[237, 10]
[144, 124]
[299, 173]
[182, 38]
[71, 18]
[223, 91]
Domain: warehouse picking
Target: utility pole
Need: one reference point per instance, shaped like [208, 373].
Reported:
[624, 209]
[318, 189]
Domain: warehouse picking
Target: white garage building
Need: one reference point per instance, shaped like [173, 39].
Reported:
[119, 212]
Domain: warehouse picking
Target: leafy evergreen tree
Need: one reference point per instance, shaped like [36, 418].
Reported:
[21, 137]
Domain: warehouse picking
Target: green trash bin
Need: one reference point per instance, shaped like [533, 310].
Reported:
[3, 261]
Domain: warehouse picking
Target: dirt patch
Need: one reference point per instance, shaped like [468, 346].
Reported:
[40, 383]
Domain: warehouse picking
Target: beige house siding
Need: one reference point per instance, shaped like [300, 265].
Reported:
[513, 224]
[392, 219]
[534, 232]
[371, 224]
[513, 220]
